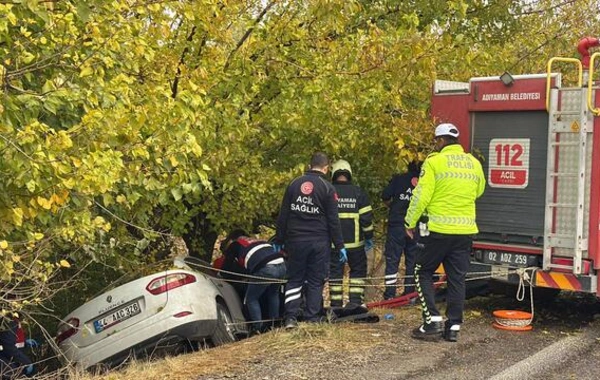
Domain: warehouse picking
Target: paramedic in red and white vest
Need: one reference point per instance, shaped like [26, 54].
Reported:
[267, 269]
[308, 224]
[13, 362]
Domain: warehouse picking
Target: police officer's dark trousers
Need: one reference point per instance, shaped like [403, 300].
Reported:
[307, 268]
[357, 260]
[396, 243]
[453, 251]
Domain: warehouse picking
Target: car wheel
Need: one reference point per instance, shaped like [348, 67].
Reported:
[224, 330]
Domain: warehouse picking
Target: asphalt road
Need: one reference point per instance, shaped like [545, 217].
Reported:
[564, 343]
[570, 357]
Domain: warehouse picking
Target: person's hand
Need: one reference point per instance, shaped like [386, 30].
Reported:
[410, 232]
[343, 255]
[277, 248]
[31, 343]
[368, 244]
[29, 370]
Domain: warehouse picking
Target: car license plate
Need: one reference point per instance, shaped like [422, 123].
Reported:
[117, 316]
[509, 258]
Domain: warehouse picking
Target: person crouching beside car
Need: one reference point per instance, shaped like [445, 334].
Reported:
[267, 269]
[13, 362]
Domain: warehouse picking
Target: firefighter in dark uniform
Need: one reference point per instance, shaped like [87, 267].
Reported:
[356, 219]
[450, 182]
[396, 196]
[308, 224]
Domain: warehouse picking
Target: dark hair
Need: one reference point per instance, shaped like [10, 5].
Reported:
[232, 236]
[414, 166]
[236, 233]
[449, 139]
[319, 160]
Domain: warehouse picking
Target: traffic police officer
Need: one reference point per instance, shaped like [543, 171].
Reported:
[308, 224]
[356, 219]
[450, 182]
[396, 196]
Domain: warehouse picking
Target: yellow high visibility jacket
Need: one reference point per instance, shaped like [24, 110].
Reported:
[449, 183]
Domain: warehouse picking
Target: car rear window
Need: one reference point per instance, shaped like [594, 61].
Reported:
[143, 270]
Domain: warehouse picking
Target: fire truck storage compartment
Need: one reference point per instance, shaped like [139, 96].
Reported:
[512, 214]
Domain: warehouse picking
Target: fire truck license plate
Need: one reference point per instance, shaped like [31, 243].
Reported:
[509, 258]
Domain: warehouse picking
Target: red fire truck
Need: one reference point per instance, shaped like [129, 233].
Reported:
[539, 143]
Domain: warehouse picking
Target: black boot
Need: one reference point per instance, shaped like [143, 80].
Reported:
[449, 334]
[429, 331]
[290, 323]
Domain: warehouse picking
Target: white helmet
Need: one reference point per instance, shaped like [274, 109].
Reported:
[341, 167]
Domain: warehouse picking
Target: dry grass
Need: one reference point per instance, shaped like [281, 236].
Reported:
[234, 358]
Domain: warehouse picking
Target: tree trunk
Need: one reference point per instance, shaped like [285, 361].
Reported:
[201, 238]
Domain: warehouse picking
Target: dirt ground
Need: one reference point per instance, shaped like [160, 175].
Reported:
[385, 350]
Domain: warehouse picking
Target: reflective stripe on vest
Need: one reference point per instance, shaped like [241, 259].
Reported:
[356, 218]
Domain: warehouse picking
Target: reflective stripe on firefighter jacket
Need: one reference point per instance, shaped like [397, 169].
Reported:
[449, 183]
[356, 214]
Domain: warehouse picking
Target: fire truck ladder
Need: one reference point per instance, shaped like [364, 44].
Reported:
[570, 122]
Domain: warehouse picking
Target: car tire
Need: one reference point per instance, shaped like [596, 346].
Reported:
[223, 331]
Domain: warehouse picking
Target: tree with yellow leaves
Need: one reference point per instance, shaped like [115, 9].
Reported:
[129, 121]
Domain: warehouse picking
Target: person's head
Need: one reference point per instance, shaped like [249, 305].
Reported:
[415, 166]
[226, 244]
[320, 162]
[445, 134]
[341, 171]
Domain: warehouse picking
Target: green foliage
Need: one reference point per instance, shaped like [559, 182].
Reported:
[123, 122]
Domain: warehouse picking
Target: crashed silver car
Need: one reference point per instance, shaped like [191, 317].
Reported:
[169, 310]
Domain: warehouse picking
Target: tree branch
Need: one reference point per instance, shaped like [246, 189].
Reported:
[189, 38]
[247, 34]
